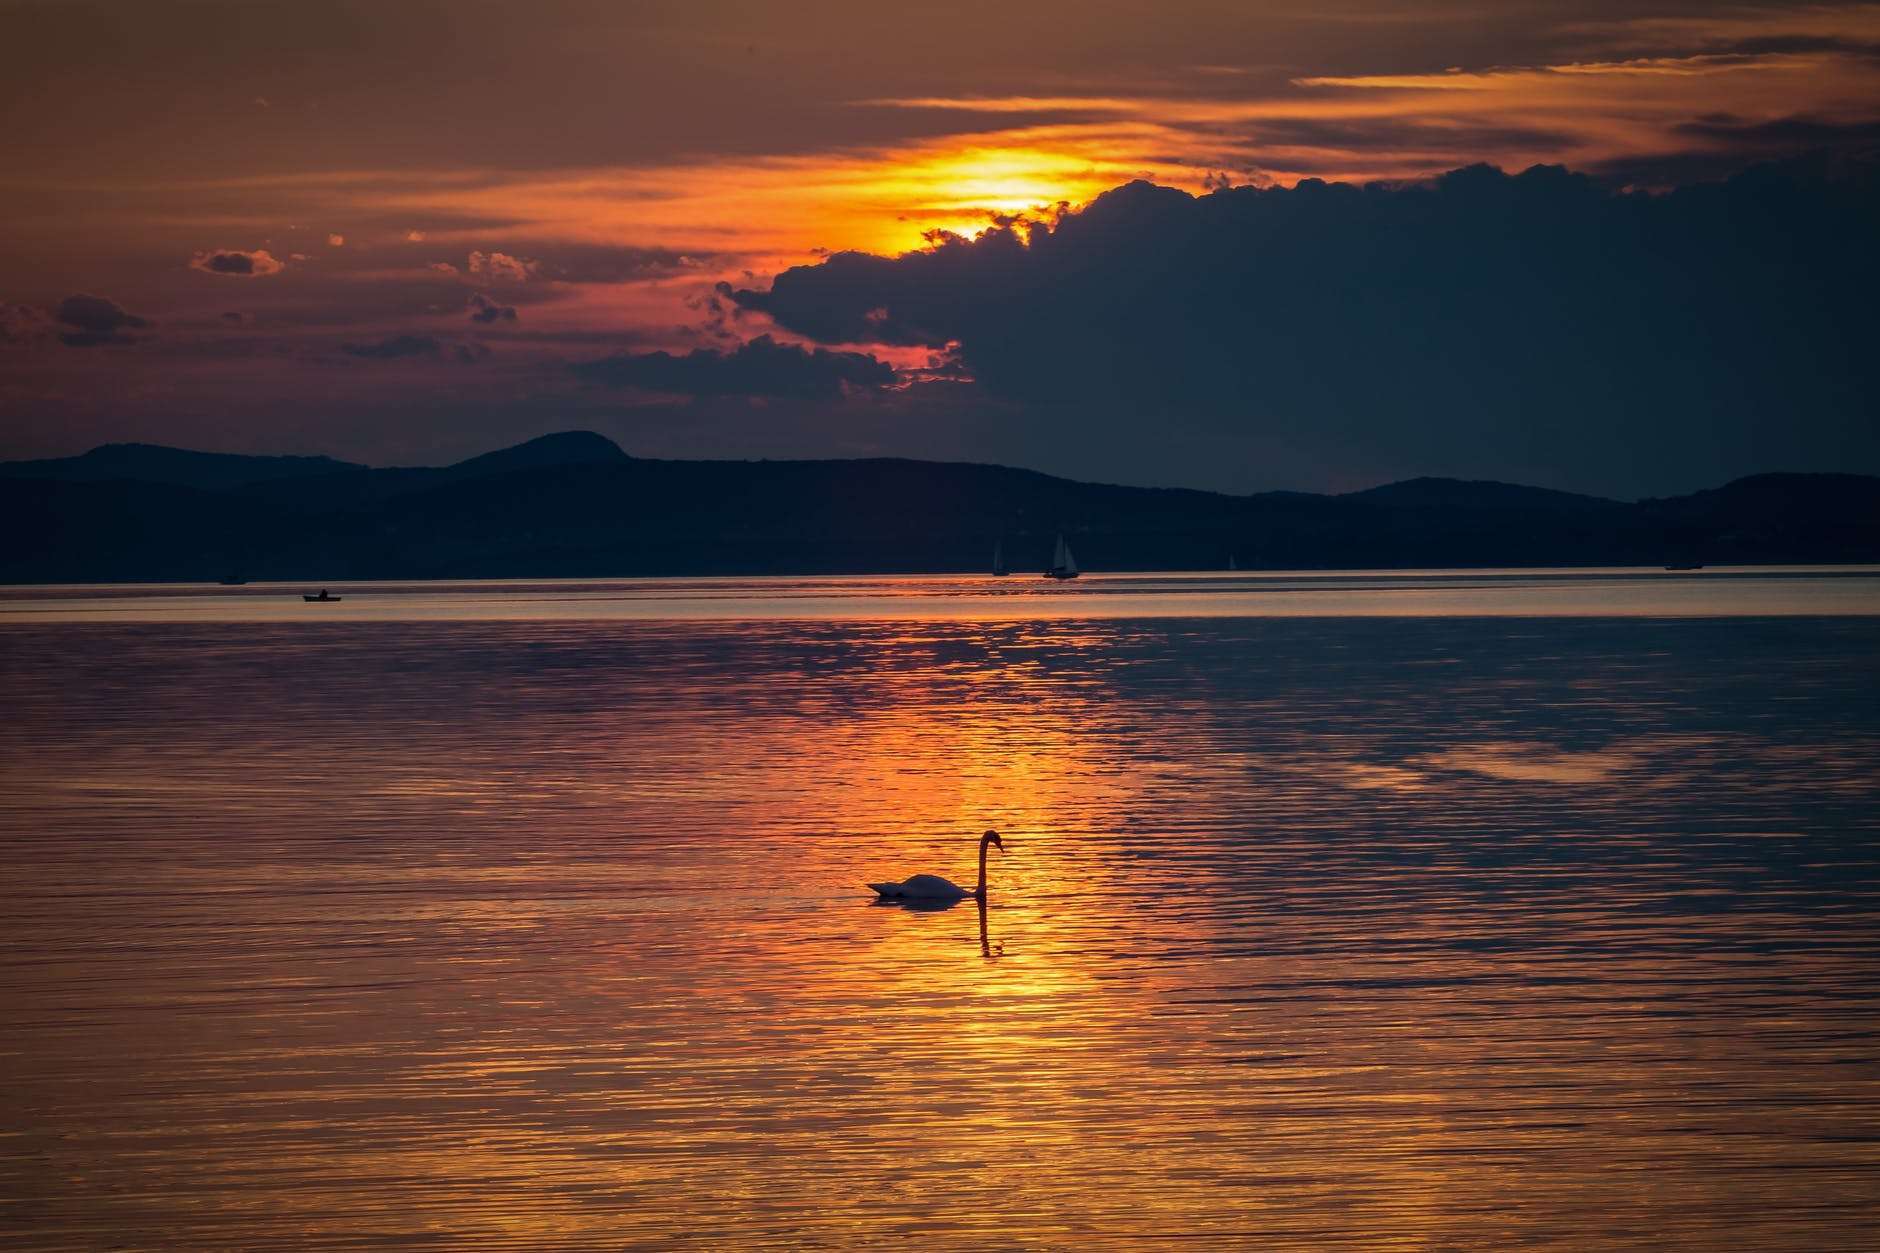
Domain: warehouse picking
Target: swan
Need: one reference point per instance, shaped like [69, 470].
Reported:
[931, 887]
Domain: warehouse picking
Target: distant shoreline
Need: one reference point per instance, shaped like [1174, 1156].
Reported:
[1586, 593]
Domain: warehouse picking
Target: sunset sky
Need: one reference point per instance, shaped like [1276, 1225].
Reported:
[408, 231]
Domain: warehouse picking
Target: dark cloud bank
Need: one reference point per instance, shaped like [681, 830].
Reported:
[482, 309]
[91, 321]
[81, 321]
[762, 367]
[1539, 326]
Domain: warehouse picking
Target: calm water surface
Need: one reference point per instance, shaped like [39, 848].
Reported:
[1457, 910]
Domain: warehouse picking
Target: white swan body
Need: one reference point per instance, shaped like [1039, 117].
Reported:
[931, 887]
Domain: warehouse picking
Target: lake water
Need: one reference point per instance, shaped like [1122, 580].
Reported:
[1430, 910]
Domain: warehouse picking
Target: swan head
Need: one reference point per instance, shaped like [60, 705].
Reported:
[992, 838]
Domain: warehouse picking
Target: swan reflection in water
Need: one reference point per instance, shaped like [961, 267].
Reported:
[918, 905]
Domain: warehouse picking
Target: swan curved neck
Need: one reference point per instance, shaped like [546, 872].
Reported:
[980, 891]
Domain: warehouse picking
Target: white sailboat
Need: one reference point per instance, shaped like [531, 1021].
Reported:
[1063, 565]
[998, 557]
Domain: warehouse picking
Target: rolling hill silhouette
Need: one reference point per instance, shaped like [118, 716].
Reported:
[575, 505]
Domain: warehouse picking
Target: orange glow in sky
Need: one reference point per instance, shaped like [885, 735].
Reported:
[613, 165]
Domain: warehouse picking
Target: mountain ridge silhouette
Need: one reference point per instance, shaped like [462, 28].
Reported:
[574, 504]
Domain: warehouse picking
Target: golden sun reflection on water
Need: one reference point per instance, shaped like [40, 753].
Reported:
[1354, 932]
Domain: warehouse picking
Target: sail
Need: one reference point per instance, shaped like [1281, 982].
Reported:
[1063, 565]
[998, 556]
[1063, 562]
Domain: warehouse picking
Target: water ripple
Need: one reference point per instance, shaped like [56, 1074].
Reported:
[1368, 932]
